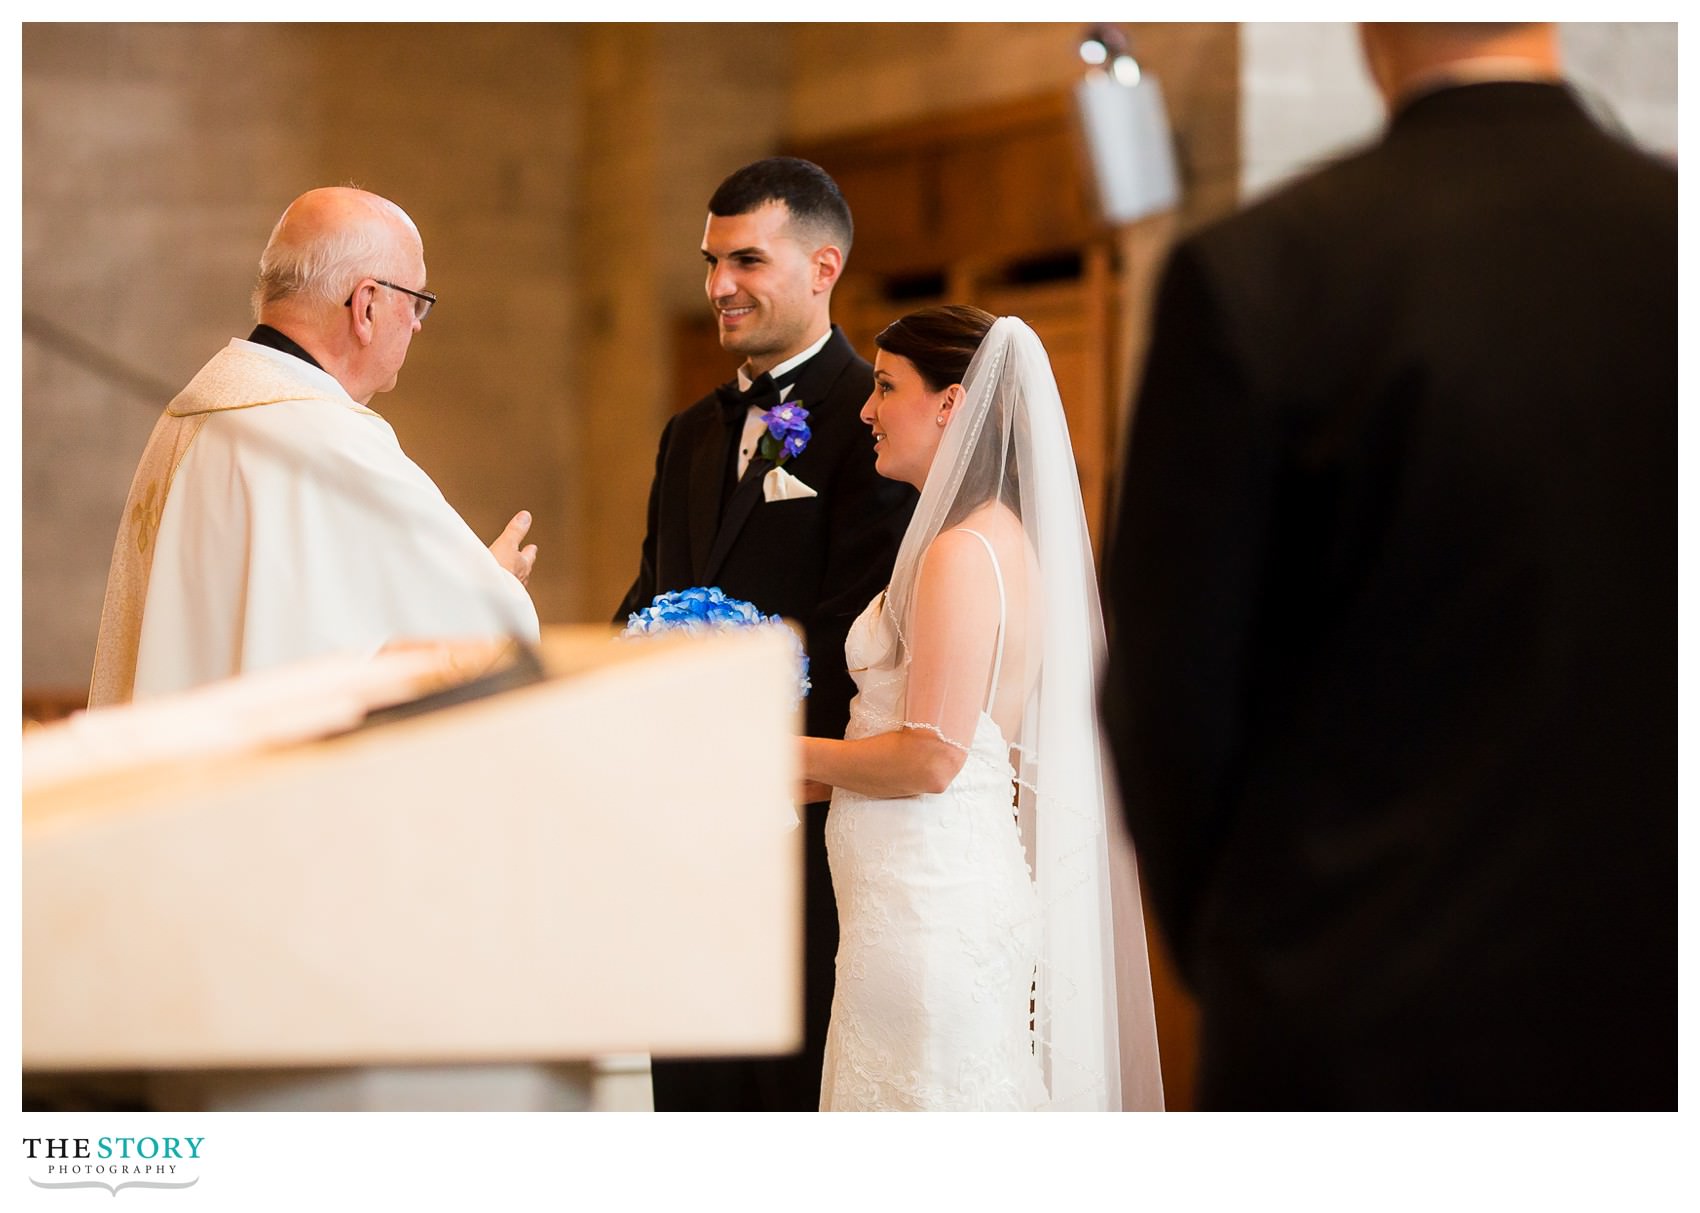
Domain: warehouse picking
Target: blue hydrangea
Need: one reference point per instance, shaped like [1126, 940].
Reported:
[788, 432]
[709, 609]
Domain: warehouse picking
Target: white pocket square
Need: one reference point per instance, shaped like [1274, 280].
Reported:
[780, 485]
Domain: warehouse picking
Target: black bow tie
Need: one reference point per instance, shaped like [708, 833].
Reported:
[763, 393]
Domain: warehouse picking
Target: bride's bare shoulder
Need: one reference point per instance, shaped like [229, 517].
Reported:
[954, 555]
[959, 553]
[995, 520]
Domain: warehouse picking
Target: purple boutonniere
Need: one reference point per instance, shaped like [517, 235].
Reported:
[787, 433]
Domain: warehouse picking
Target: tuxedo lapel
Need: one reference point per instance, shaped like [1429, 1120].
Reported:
[708, 472]
[814, 384]
[739, 507]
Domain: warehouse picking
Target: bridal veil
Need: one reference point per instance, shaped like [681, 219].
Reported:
[1009, 441]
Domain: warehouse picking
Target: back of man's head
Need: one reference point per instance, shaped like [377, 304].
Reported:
[1407, 56]
[810, 195]
[325, 242]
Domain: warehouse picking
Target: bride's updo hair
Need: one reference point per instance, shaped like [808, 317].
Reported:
[940, 341]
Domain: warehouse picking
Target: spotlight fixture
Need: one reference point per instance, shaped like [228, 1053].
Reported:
[1102, 44]
[1126, 128]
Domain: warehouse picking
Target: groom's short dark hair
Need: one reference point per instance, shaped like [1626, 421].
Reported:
[807, 191]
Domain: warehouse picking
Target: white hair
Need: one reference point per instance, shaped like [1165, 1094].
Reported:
[326, 267]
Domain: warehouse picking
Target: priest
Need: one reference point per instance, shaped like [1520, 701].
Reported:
[274, 516]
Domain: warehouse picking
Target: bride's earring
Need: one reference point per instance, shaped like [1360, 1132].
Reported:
[941, 418]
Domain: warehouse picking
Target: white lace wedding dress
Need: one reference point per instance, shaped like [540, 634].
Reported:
[939, 925]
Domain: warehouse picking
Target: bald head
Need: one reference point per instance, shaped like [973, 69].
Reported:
[1405, 56]
[326, 241]
[323, 283]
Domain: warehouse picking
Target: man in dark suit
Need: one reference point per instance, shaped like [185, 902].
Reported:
[1393, 608]
[720, 514]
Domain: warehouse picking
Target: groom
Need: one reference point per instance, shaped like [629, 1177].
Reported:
[813, 541]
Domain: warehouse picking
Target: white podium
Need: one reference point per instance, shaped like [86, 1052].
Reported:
[459, 910]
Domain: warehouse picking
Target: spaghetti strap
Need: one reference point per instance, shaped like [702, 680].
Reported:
[997, 572]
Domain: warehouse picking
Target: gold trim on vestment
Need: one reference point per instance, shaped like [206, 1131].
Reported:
[231, 380]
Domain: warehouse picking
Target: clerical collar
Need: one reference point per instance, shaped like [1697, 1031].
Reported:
[266, 335]
[789, 365]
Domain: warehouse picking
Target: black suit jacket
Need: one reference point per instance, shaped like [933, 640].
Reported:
[1393, 611]
[817, 560]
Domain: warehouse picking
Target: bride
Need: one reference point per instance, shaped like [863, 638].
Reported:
[976, 965]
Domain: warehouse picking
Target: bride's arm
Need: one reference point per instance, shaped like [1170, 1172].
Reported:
[952, 638]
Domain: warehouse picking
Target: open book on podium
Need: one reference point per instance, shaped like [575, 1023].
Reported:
[370, 884]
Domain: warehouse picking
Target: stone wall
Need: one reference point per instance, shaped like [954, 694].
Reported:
[148, 189]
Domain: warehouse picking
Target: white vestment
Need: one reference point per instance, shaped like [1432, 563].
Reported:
[274, 519]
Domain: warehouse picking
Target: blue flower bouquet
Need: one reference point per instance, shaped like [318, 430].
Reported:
[708, 609]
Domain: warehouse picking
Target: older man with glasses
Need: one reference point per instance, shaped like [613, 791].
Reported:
[274, 516]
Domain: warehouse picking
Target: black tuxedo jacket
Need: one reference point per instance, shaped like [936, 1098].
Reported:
[1393, 606]
[817, 560]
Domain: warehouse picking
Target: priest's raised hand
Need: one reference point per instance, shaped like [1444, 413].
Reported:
[507, 551]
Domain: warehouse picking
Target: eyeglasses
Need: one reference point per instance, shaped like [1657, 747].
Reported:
[422, 300]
